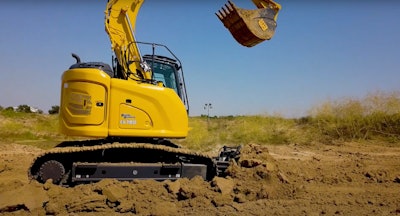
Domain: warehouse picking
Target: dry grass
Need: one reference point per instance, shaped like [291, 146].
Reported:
[206, 134]
[374, 117]
[17, 126]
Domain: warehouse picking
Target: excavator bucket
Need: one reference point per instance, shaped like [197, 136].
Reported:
[250, 27]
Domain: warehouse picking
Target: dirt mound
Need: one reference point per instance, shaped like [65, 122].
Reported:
[276, 180]
[254, 177]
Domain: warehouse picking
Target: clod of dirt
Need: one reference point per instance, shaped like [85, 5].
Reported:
[250, 163]
[193, 188]
[30, 197]
[113, 192]
[3, 168]
[283, 178]
[172, 186]
[10, 185]
[221, 200]
[223, 185]
[257, 176]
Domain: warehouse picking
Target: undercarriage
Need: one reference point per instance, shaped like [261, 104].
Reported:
[75, 162]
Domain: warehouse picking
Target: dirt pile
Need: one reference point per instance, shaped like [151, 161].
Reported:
[254, 177]
[276, 180]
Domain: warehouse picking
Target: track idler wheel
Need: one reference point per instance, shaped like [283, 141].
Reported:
[52, 169]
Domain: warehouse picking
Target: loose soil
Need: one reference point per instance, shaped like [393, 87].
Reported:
[343, 179]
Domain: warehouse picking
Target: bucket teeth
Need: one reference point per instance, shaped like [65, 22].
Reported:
[249, 27]
[226, 11]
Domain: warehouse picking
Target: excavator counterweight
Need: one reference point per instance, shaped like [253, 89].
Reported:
[250, 27]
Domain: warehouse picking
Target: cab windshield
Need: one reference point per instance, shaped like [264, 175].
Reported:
[166, 74]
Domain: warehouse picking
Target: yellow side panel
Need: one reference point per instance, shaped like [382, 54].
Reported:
[158, 111]
[84, 103]
[133, 118]
[94, 105]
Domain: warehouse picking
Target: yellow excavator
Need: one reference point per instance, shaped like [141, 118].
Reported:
[130, 110]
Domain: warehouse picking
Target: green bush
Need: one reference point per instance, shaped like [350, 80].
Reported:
[54, 110]
[9, 109]
[24, 108]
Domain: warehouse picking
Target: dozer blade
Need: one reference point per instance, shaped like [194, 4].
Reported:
[250, 27]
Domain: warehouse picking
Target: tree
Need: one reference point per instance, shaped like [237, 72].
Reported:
[24, 108]
[54, 110]
[9, 108]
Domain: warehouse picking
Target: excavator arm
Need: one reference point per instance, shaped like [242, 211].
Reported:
[250, 27]
[120, 21]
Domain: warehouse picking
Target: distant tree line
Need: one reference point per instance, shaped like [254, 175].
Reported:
[54, 110]
[28, 109]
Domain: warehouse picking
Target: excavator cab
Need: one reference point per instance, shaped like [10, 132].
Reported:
[167, 72]
[250, 27]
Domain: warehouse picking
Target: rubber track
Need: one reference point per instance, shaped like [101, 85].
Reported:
[122, 146]
[118, 146]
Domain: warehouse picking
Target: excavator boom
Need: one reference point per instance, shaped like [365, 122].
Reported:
[120, 22]
[250, 27]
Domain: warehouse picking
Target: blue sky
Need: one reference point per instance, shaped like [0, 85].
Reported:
[322, 50]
